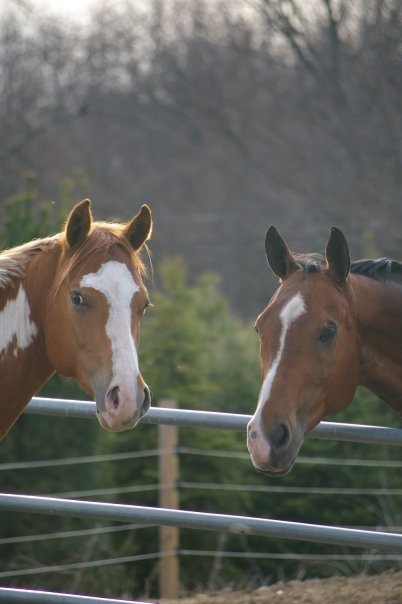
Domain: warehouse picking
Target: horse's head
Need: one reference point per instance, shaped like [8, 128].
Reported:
[309, 350]
[94, 311]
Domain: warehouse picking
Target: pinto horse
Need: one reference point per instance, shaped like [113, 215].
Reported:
[330, 326]
[72, 303]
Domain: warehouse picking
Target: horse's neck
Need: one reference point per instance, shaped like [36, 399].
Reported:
[379, 316]
[24, 365]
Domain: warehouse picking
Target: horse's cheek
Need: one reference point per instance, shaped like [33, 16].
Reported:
[58, 336]
[343, 381]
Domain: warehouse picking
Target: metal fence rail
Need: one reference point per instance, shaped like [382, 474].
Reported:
[185, 519]
[200, 520]
[27, 596]
[227, 421]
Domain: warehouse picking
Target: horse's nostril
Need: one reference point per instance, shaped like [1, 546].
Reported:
[280, 437]
[146, 402]
[114, 397]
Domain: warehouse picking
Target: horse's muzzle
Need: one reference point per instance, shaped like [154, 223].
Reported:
[273, 454]
[119, 412]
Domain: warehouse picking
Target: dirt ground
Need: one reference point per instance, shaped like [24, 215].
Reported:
[379, 589]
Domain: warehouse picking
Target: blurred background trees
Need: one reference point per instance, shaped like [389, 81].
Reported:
[225, 117]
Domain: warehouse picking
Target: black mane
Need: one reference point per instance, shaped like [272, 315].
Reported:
[383, 269]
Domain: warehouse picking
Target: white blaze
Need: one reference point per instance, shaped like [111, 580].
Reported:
[16, 324]
[116, 283]
[289, 313]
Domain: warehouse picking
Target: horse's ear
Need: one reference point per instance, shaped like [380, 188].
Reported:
[78, 223]
[337, 255]
[280, 258]
[140, 228]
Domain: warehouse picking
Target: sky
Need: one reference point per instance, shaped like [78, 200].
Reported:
[76, 9]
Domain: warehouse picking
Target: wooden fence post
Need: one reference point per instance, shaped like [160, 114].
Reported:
[168, 498]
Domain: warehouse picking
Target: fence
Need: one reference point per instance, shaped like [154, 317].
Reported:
[226, 421]
[185, 519]
[28, 596]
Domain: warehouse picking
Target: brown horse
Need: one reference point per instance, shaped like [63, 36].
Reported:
[330, 326]
[72, 303]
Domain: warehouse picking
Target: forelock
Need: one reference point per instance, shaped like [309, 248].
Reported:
[311, 263]
[102, 240]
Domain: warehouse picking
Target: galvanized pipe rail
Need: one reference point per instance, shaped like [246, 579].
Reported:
[28, 596]
[225, 421]
[186, 519]
[200, 520]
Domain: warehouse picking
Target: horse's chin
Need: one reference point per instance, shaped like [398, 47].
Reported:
[275, 470]
[275, 473]
[117, 427]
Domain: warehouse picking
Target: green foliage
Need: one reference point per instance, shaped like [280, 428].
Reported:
[27, 217]
[193, 350]
[369, 247]
[336, 508]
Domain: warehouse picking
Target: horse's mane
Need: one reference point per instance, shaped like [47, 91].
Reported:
[14, 261]
[383, 269]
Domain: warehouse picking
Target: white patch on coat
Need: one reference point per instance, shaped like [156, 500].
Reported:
[117, 284]
[289, 313]
[16, 325]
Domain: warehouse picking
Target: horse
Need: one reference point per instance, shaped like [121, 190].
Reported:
[71, 303]
[331, 326]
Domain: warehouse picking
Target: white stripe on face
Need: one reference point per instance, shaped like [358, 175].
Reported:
[15, 323]
[116, 283]
[289, 313]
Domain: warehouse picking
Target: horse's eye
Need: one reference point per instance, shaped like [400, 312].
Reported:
[77, 299]
[147, 303]
[256, 328]
[328, 334]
